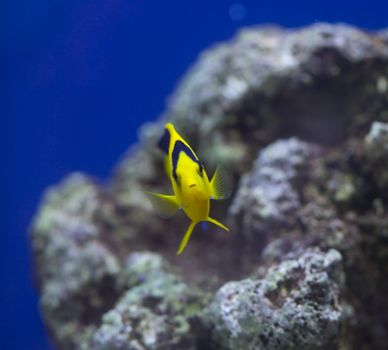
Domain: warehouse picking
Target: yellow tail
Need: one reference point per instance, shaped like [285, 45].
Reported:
[186, 238]
[215, 222]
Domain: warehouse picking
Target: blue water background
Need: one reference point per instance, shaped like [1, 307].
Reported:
[77, 78]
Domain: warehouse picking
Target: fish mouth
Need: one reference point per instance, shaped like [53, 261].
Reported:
[193, 185]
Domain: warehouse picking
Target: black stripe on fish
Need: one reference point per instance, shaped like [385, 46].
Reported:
[178, 148]
[164, 141]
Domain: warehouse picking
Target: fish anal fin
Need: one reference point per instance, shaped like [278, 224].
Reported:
[186, 238]
[220, 184]
[165, 205]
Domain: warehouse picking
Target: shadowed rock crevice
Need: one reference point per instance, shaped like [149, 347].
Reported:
[300, 120]
[321, 109]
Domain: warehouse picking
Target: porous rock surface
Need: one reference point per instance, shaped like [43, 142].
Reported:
[155, 311]
[284, 309]
[300, 120]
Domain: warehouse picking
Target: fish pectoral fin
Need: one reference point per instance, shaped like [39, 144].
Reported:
[215, 222]
[165, 205]
[186, 238]
[220, 184]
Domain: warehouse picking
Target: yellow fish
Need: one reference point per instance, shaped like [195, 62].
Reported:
[190, 183]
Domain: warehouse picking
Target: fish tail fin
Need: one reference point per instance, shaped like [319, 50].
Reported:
[215, 222]
[186, 238]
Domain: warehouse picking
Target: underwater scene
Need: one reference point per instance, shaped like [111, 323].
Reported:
[194, 175]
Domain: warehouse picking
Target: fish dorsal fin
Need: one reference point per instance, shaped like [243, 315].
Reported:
[164, 142]
[165, 205]
[220, 184]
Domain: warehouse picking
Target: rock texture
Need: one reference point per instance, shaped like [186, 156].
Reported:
[155, 311]
[268, 197]
[295, 305]
[76, 270]
[300, 120]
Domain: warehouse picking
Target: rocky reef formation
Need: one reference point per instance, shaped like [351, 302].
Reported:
[300, 120]
[294, 305]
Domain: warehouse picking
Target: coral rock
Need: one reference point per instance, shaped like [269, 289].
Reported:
[296, 305]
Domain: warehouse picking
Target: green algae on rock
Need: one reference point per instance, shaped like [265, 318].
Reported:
[154, 314]
[75, 269]
[294, 306]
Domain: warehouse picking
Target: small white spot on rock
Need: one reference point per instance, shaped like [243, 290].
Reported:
[234, 88]
[382, 85]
